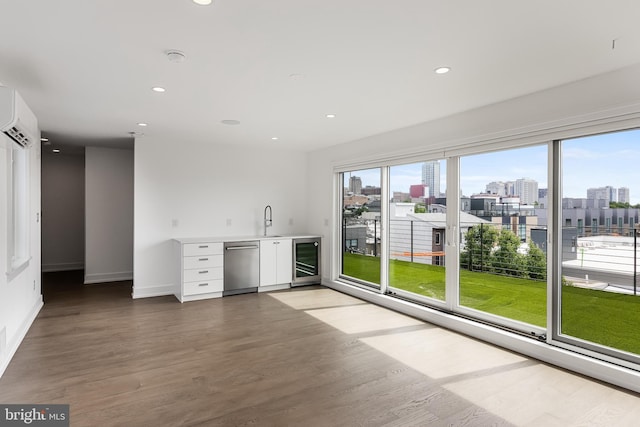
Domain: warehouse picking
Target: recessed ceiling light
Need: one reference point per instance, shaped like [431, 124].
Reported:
[202, 2]
[158, 89]
[44, 139]
[55, 150]
[275, 138]
[442, 70]
[142, 124]
[331, 116]
[230, 122]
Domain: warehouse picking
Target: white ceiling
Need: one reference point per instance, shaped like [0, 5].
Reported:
[86, 67]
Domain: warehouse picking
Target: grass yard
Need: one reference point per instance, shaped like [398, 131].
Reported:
[597, 316]
[602, 317]
[421, 279]
[361, 267]
[519, 299]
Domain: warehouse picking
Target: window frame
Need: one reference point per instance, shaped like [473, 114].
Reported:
[17, 209]
[608, 121]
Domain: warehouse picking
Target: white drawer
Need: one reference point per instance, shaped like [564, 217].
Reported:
[202, 261]
[196, 249]
[203, 274]
[203, 287]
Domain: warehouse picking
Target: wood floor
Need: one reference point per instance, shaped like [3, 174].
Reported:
[305, 357]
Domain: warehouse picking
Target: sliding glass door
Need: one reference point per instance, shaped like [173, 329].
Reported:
[599, 296]
[541, 239]
[361, 226]
[417, 223]
[503, 223]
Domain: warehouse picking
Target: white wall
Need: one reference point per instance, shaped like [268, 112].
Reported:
[62, 211]
[20, 296]
[189, 189]
[109, 214]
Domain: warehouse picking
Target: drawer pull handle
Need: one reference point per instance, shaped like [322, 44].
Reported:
[203, 284]
[203, 246]
[203, 272]
[203, 259]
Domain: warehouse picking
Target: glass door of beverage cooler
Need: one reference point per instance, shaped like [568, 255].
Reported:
[306, 261]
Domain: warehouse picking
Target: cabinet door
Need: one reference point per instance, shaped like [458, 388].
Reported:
[268, 261]
[284, 261]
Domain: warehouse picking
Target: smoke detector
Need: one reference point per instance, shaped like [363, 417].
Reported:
[175, 55]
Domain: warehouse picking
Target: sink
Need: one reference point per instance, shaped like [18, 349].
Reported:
[272, 235]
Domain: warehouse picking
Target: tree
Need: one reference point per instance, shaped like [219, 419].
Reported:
[613, 205]
[478, 247]
[506, 259]
[536, 262]
[358, 212]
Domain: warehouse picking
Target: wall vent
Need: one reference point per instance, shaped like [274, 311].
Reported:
[16, 119]
[18, 136]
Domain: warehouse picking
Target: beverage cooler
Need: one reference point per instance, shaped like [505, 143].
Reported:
[306, 261]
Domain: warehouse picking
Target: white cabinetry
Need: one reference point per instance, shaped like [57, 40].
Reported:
[276, 262]
[201, 271]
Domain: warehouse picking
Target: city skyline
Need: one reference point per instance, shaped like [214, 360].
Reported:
[587, 162]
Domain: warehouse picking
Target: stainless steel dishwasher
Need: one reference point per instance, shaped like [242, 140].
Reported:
[241, 267]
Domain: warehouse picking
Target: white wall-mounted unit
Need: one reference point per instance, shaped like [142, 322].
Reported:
[16, 119]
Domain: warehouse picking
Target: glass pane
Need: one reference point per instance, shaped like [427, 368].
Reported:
[306, 259]
[18, 249]
[361, 226]
[417, 222]
[503, 227]
[599, 302]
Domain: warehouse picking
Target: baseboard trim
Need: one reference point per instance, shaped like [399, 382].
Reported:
[62, 266]
[153, 291]
[13, 346]
[274, 287]
[107, 277]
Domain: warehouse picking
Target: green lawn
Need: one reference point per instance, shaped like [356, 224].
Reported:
[361, 267]
[601, 317]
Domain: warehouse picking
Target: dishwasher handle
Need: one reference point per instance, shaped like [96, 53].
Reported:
[237, 248]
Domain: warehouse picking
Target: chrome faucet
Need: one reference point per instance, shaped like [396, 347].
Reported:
[267, 219]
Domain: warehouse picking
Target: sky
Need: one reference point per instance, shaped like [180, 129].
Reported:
[595, 161]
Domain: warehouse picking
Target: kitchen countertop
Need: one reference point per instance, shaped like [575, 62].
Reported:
[242, 238]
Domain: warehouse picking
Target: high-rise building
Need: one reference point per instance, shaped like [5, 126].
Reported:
[355, 185]
[613, 193]
[527, 190]
[608, 194]
[600, 197]
[623, 195]
[431, 178]
[496, 187]
[510, 188]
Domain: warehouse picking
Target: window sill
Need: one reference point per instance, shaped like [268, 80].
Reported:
[17, 267]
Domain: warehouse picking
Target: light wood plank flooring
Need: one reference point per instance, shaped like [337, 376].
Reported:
[309, 356]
